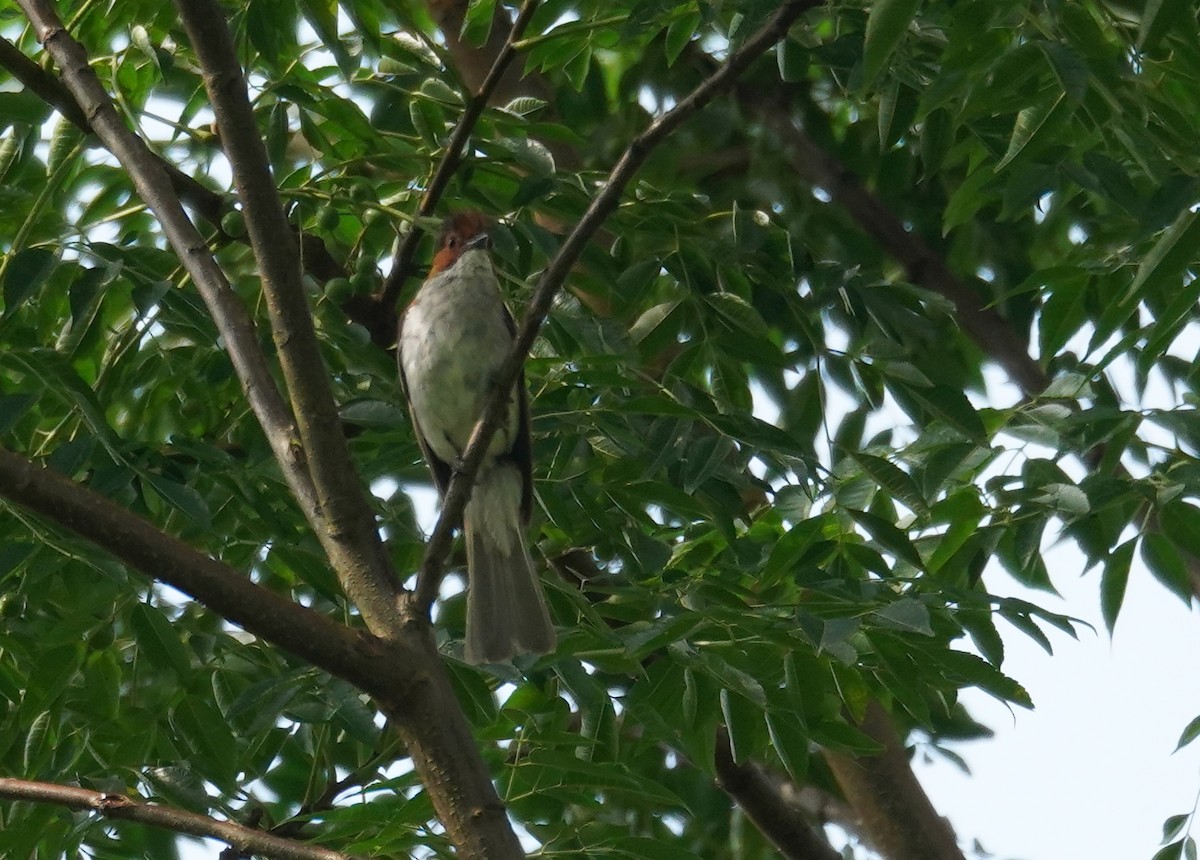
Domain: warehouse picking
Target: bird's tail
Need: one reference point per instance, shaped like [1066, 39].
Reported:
[506, 610]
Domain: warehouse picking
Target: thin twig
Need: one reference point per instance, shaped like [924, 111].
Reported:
[349, 537]
[117, 806]
[555, 274]
[154, 186]
[451, 158]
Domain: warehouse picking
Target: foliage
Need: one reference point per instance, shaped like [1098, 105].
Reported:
[788, 461]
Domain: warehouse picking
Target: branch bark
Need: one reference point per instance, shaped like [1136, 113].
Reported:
[346, 523]
[405, 676]
[555, 274]
[119, 807]
[759, 797]
[153, 184]
[896, 813]
[362, 660]
[451, 158]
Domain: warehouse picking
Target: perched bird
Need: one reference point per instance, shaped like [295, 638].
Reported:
[453, 339]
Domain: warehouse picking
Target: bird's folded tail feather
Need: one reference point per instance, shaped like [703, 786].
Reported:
[506, 609]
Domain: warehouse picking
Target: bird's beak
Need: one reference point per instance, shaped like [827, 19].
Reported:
[482, 242]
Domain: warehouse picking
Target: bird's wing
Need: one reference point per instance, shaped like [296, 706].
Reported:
[440, 469]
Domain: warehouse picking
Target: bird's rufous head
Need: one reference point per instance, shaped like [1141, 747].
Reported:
[461, 231]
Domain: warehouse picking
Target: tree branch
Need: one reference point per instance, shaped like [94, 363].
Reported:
[923, 266]
[896, 813]
[116, 806]
[451, 158]
[759, 797]
[154, 186]
[348, 532]
[555, 274]
[405, 676]
[141, 545]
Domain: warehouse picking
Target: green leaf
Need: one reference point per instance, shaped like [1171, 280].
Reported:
[680, 32]
[1030, 123]
[523, 106]
[948, 405]
[1189, 734]
[887, 25]
[1113, 583]
[374, 413]
[1173, 826]
[64, 142]
[981, 627]
[477, 23]
[200, 724]
[905, 614]
[793, 61]
[157, 639]
[739, 313]
[895, 480]
[24, 275]
[36, 751]
[649, 321]
[888, 536]
[1181, 523]
[1162, 268]
[1165, 562]
[789, 741]
[181, 497]
[1174, 851]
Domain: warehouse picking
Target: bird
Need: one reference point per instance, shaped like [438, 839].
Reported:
[453, 338]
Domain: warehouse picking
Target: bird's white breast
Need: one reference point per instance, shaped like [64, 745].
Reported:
[453, 340]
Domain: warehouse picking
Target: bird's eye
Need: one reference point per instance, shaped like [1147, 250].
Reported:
[452, 242]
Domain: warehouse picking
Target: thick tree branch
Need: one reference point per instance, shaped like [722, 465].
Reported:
[154, 186]
[551, 280]
[895, 811]
[348, 532]
[140, 544]
[404, 676]
[116, 806]
[759, 797]
[451, 158]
